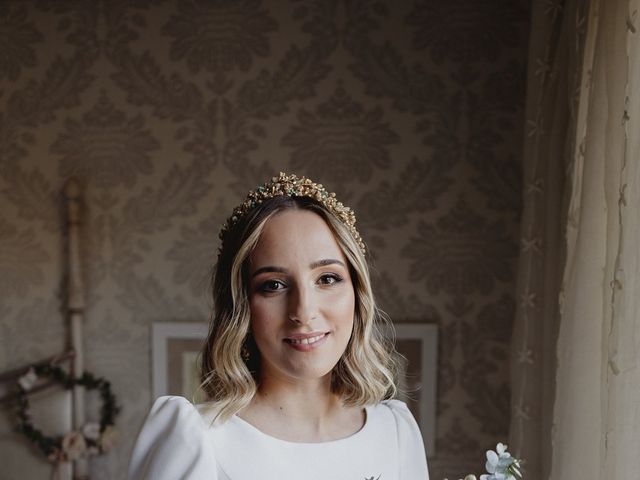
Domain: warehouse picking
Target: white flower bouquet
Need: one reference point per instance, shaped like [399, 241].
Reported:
[500, 466]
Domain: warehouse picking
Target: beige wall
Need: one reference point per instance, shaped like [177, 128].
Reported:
[170, 110]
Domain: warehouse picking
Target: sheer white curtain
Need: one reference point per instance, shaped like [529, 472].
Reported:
[554, 75]
[576, 413]
[597, 408]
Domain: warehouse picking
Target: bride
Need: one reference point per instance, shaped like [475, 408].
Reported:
[298, 376]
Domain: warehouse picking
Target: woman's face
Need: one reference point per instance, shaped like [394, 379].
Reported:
[301, 297]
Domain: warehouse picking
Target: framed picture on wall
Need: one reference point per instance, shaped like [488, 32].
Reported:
[418, 344]
[175, 358]
[177, 346]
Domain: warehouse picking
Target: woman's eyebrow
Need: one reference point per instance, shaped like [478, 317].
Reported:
[270, 269]
[318, 263]
[324, 262]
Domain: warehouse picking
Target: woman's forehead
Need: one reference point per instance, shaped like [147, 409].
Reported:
[296, 234]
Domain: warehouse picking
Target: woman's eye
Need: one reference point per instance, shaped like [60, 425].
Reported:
[329, 279]
[272, 286]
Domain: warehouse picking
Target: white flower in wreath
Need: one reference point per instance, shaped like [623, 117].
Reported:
[73, 445]
[56, 456]
[93, 451]
[108, 438]
[28, 380]
[91, 431]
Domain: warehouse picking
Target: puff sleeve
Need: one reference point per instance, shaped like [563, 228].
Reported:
[173, 444]
[413, 461]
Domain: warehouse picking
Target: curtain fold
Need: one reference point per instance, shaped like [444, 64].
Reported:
[576, 344]
[597, 408]
[554, 73]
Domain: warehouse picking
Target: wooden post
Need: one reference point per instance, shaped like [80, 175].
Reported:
[76, 305]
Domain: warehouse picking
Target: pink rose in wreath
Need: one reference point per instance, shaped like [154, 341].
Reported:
[73, 445]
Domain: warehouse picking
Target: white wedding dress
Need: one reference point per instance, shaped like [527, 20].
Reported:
[177, 442]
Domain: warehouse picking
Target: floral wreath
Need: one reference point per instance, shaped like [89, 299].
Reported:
[93, 438]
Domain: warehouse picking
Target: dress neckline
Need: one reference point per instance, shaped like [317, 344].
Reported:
[245, 425]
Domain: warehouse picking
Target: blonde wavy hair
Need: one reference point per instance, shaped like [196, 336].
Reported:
[366, 372]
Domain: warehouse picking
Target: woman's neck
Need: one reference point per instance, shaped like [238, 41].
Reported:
[302, 412]
[303, 401]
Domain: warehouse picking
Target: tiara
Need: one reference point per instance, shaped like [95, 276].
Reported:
[294, 186]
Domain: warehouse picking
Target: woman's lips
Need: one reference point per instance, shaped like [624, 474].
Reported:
[306, 342]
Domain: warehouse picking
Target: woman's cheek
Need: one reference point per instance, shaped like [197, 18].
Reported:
[265, 310]
[342, 304]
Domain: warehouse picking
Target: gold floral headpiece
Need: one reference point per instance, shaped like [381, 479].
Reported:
[294, 186]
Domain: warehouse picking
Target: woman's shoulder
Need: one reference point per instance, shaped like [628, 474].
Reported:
[173, 407]
[412, 454]
[180, 408]
[172, 440]
[397, 408]
[397, 413]
[170, 403]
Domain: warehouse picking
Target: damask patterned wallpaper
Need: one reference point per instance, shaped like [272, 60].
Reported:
[168, 111]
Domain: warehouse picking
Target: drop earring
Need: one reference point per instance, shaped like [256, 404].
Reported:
[244, 352]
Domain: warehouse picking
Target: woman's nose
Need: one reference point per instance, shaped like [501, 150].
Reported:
[302, 308]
